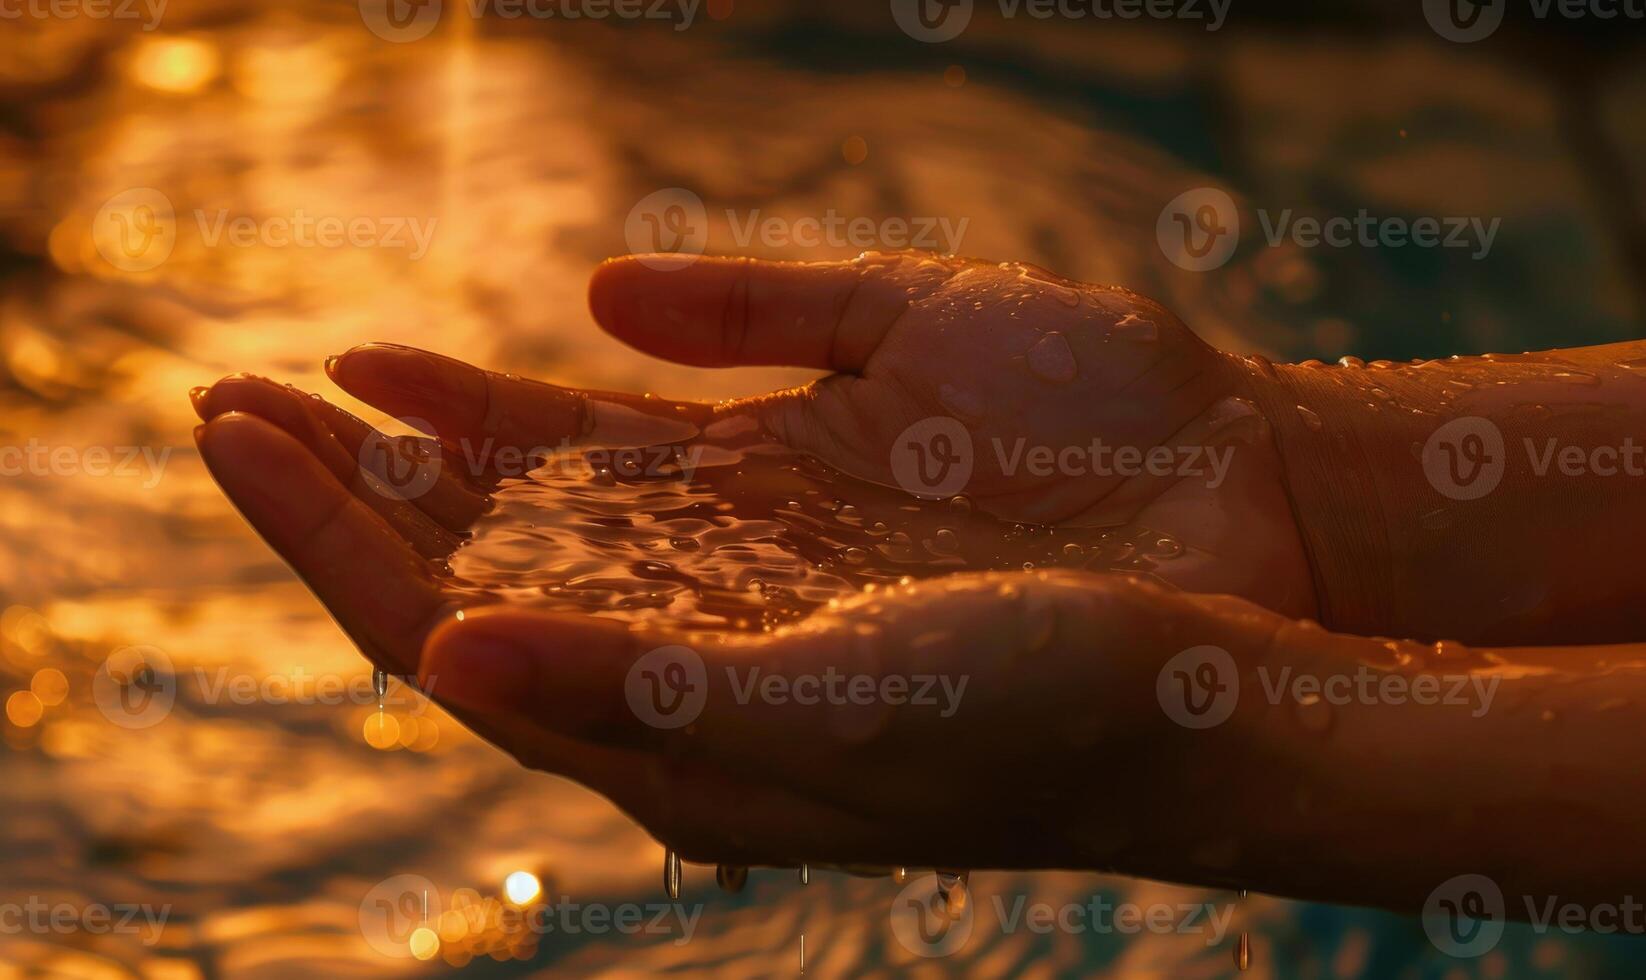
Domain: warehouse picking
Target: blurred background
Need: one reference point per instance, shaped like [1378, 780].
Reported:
[193, 188]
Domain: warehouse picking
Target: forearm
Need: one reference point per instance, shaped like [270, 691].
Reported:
[1406, 531]
[1348, 768]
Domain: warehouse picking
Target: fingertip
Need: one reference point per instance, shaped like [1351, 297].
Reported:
[566, 669]
[407, 381]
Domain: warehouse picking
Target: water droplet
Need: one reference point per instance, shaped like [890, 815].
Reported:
[900, 875]
[854, 556]
[1133, 327]
[684, 543]
[1051, 359]
[671, 874]
[1243, 952]
[960, 504]
[731, 877]
[945, 542]
[380, 684]
[952, 891]
[1313, 713]
[805, 874]
[1309, 418]
[1350, 361]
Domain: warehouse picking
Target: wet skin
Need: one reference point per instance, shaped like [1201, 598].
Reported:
[1060, 753]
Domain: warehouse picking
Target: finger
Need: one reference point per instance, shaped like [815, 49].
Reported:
[935, 672]
[723, 312]
[1061, 720]
[381, 592]
[346, 445]
[481, 413]
[433, 518]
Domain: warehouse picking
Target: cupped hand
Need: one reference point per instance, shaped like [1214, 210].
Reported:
[994, 700]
